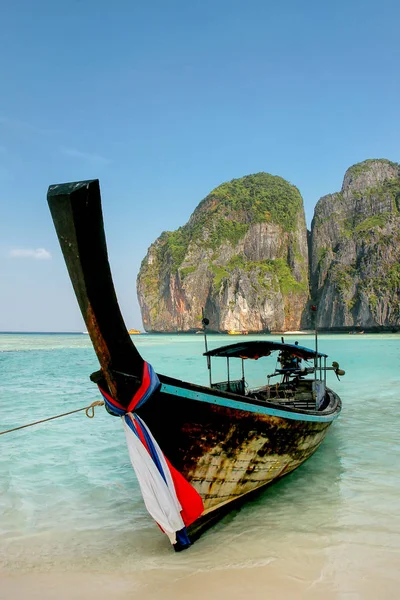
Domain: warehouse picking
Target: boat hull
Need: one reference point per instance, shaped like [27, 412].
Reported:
[228, 447]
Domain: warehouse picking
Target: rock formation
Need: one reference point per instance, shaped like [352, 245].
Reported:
[355, 250]
[242, 256]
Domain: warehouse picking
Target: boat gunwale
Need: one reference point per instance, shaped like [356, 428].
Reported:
[329, 413]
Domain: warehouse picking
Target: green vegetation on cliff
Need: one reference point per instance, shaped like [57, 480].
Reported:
[363, 167]
[343, 277]
[392, 187]
[227, 212]
[257, 198]
[270, 274]
[369, 223]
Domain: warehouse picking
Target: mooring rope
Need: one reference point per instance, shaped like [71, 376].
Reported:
[88, 409]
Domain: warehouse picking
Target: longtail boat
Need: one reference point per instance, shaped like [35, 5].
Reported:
[197, 450]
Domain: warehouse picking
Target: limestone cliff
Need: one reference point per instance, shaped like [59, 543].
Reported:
[355, 249]
[242, 256]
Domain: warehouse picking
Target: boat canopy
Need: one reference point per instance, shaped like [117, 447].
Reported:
[255, 350]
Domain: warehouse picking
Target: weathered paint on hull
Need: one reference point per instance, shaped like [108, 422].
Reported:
[228, 453]
[220, 478]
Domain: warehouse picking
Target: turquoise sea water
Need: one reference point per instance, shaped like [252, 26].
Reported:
[69, 499]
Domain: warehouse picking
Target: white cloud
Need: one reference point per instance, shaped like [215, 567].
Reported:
[38, 254]
[95, 159]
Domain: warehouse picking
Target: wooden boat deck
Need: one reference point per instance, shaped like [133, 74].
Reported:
[298, 397]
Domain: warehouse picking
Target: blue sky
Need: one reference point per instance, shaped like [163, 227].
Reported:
[163, 101]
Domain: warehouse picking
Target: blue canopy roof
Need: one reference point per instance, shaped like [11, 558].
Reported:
[258, 349]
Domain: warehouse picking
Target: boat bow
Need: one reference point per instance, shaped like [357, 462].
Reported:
[78, 220]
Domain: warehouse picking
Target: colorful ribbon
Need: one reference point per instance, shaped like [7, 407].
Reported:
[170, 499]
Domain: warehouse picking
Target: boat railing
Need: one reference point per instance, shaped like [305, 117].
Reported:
[280, 390]
[306, 395]
[237, 386]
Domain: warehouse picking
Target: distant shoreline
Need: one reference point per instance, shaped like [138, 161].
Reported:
[273, 333]
[41, 333]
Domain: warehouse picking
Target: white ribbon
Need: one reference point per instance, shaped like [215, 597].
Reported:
[159, 496]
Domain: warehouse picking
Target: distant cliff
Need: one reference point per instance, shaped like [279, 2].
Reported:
[243, 256]
[355, 249]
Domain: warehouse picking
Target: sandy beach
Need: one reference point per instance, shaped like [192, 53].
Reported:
[259, 582]
[353, 566]
[309, 578]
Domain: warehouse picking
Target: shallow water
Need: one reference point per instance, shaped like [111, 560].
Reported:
[69, 501]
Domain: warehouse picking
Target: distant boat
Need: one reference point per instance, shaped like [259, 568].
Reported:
[300, 332]
[85, 332]
[241, 332]
[134, 332]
